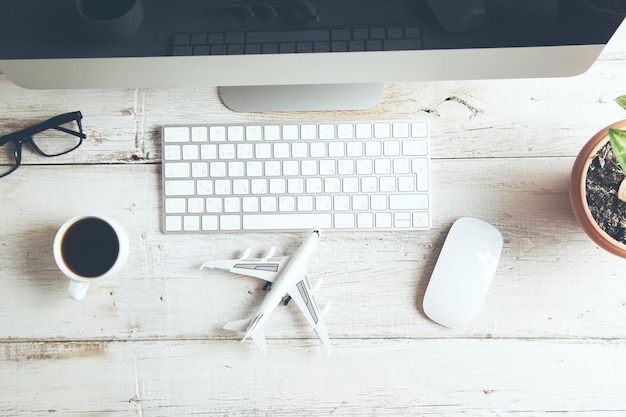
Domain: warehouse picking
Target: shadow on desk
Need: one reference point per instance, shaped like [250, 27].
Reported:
[37, 261]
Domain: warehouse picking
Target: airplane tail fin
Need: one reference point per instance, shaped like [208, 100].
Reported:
[259, 339]
[256, 332]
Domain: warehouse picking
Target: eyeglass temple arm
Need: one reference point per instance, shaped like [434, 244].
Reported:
[53, 123]
[71, 132]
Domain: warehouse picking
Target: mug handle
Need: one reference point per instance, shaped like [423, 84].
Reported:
[77, 290]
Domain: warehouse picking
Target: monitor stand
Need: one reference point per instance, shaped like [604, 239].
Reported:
[301, 97]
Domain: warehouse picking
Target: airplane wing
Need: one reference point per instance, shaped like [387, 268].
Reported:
[301, 293]
[263, 268]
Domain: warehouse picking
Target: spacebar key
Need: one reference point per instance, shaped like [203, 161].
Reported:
[287, 221]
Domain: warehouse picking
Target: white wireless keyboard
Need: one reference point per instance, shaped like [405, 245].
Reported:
[359, 175]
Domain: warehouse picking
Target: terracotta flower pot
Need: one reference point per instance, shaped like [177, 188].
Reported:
[577, 192]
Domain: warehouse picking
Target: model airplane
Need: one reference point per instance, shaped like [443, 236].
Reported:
[286, 280]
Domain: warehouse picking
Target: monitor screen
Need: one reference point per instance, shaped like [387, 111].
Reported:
[168, 43]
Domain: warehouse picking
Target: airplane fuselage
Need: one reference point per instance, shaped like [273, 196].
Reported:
[292, 273]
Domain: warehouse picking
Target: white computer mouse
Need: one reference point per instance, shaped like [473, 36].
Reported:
[463, 273]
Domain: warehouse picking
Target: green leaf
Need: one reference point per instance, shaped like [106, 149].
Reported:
[618, 143]
[621, 100]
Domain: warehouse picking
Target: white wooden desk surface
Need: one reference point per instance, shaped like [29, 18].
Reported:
[551, 337]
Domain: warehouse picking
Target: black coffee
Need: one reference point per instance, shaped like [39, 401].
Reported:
[90, 247]
[106, 9]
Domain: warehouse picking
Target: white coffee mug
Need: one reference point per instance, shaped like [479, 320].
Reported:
[89, 248]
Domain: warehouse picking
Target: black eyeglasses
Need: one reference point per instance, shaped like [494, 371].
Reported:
[56, 136]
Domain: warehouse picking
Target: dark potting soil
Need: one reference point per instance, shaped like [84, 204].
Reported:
[604, 177]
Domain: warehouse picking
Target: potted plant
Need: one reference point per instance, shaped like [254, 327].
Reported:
[597, 188]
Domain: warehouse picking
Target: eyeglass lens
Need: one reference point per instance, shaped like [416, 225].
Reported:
[7, 158]
[55, 141]
[51, 142]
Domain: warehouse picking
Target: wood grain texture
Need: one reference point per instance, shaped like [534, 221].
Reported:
[550, 337]
[362, 377]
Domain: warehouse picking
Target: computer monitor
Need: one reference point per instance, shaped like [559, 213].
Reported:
[295, 54]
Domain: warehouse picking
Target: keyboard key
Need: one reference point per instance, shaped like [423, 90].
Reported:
[419, 129]
[263, 150]
[287, 203]
[300, 150]
[254, 133]
[401, 130]
[382, 130]
[190, 152]
[250, 204]
[191, 223]
[217, 133]
[230, 222]
[401, 166]
[295, 186]
[209, 223]
[383, 220]
[269, 204]
[291, 132]
[175, 134]
[360, 202]
[173, 223]
[199, 170]
[245, 151]
[272, 132]
[241, 186]
[226, 151]
[199, 134]
[420, 168]
[391, 148]
[171, 152]
[373, 148]
[414, 147]
[208, 152]
[406, 184]
[327, 131]
[363, 130]
[308, 132]
[296, 221]
[313, 185]
[421, 220]
[344, 221]
[178, 188]
[175, 205]
[408, 201]
[305, 203]
[365, 220]
[232, 205]
[235, 133]
[318, 150]
[195, 205]
[345, 131]
[177, 170]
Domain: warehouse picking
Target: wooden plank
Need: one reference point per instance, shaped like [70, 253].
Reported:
[361, 377]
[501, 118]
[551, 274]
